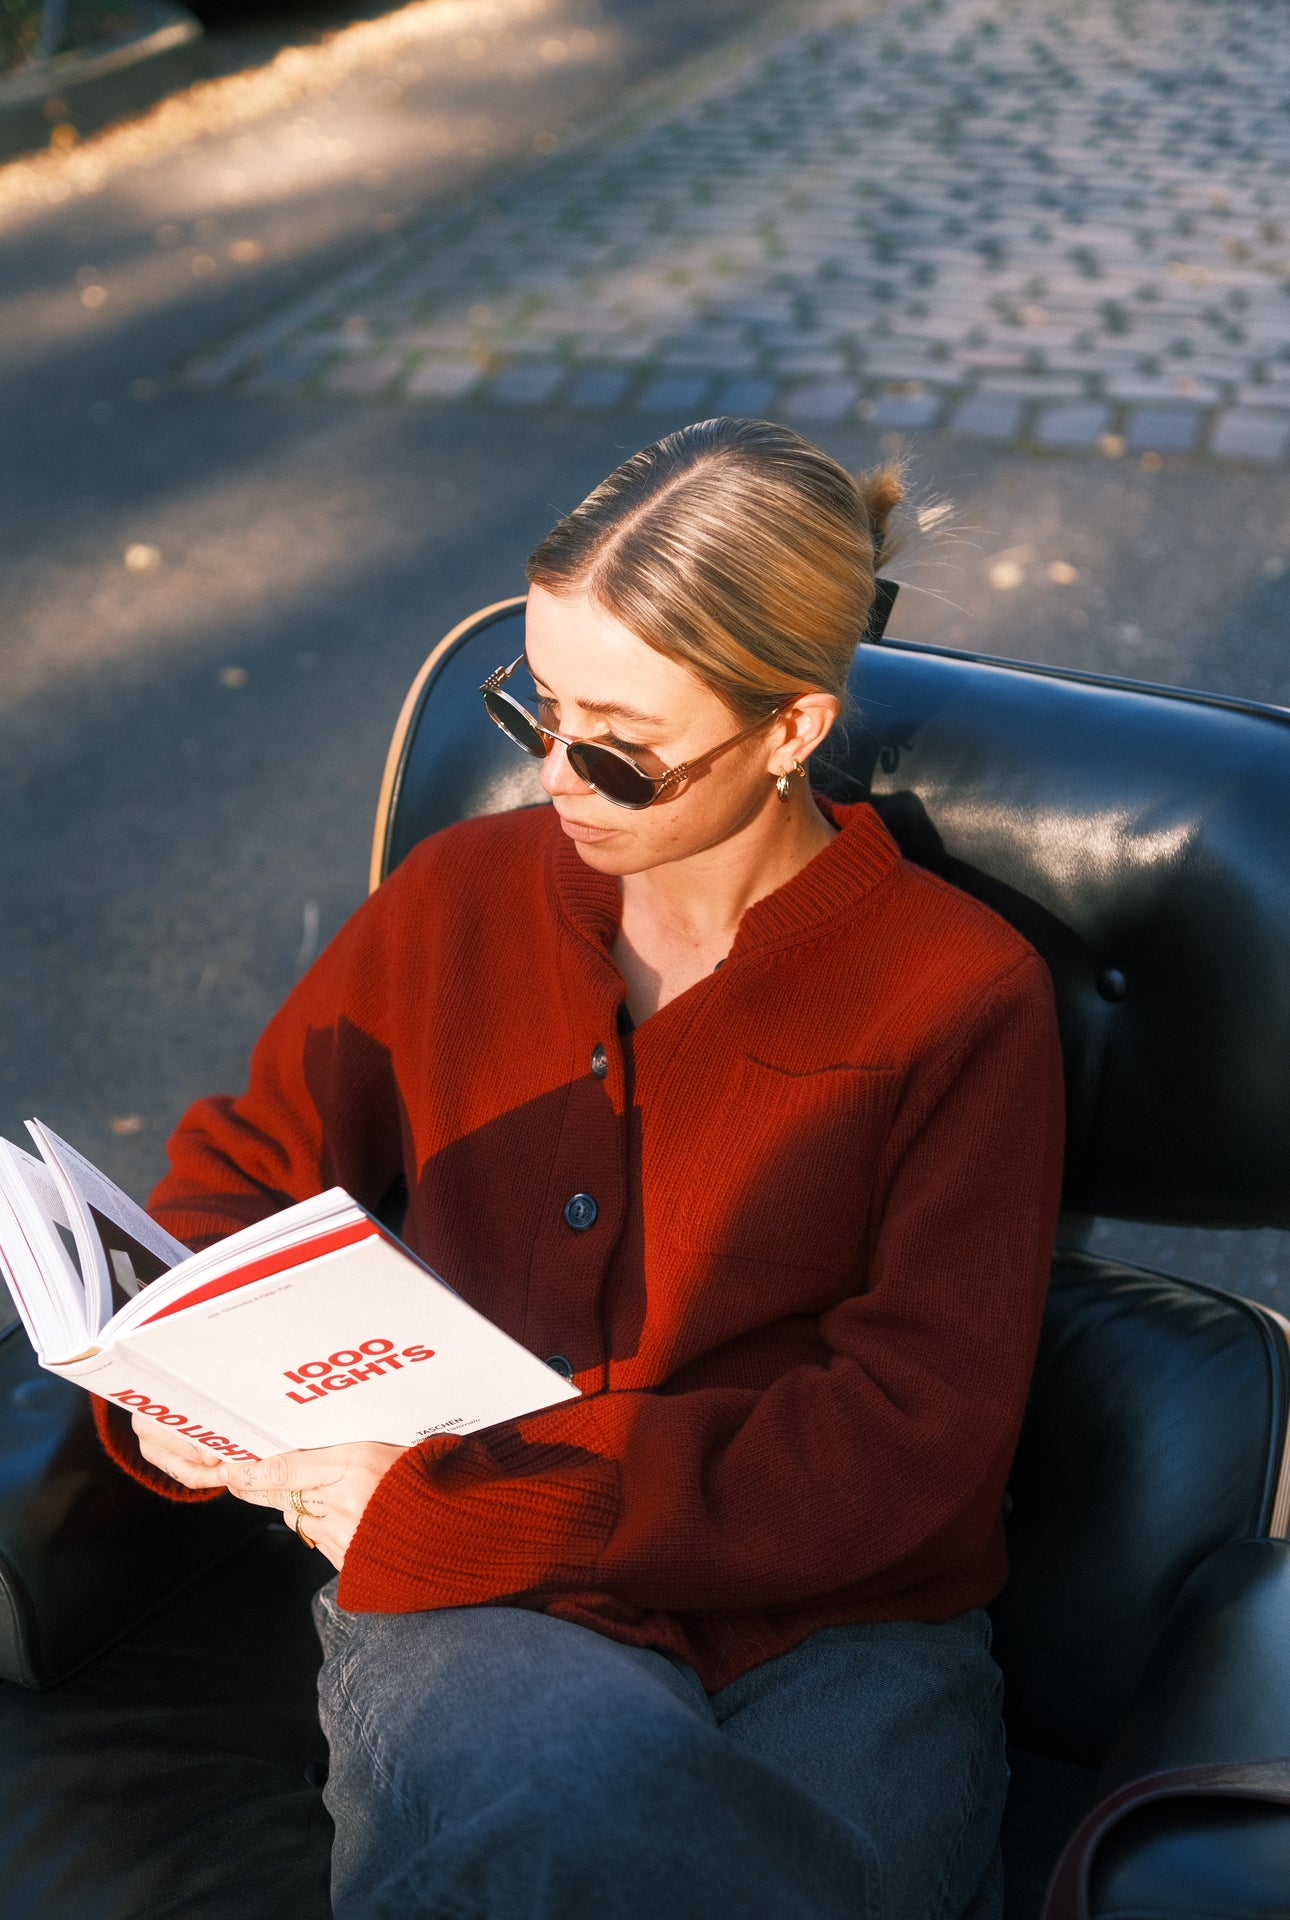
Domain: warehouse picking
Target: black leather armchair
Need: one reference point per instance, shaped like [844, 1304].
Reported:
[1137, 836]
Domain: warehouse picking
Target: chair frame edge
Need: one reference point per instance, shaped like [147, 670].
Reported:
[1279, 1516]
[392, 777]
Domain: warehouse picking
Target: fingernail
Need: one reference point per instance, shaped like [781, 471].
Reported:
[222, 1472]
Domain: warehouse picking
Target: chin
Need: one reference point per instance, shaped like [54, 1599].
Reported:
[603, 858]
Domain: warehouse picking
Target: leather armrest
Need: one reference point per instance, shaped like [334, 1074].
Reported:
[86, 1553]
[1217, 1690]
[1218, 1683]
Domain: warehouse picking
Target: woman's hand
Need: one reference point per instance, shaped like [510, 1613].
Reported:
[191, 1465]
[334, 1484]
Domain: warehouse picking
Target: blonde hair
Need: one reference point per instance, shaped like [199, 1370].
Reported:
[737, 548]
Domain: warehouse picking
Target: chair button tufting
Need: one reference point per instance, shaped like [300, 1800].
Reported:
[600, 1063]
[1111, 984]
[558, 1364]
[581, 1212]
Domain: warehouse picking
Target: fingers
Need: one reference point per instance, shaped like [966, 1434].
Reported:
[178, 1458]
[329, 1541]
[315, 1468]
[333, 1483]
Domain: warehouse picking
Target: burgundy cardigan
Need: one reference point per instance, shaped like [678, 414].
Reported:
[803, 1297]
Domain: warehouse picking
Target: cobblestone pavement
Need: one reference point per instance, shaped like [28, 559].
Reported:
[1066, 228]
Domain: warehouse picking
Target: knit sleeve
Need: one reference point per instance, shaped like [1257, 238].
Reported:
[321, 1109]
[877, 1468]
[321, 1106]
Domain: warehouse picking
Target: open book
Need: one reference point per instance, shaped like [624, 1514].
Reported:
[313, 1327]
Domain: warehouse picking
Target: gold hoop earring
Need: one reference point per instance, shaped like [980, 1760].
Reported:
[781, 784]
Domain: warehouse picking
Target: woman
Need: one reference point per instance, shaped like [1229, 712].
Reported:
[702, 1091]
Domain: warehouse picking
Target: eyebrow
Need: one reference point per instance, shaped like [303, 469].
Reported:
[609, 707]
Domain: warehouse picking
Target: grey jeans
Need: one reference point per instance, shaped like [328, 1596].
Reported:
[491, 1763]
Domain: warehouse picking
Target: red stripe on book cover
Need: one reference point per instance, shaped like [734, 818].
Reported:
[297, 1256]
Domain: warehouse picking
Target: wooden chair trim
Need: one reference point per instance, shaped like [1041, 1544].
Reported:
[1279, 1524]
[392, 776]
[1069, 1895]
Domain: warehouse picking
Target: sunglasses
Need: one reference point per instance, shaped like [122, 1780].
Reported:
[606, 770]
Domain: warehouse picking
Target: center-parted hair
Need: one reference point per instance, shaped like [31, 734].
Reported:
[737, 548]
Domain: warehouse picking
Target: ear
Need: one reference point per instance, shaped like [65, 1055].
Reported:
[801, 727]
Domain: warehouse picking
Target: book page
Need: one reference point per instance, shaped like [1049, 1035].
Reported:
[132, 1266]
[16, 1268]
[42, 1274]
[99, 1195]
[96, 1276]
[235, 1260]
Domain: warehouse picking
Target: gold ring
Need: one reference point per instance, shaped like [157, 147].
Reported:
[302, 1535]
[298, 1503]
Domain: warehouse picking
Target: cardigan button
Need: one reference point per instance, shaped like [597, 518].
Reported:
[600, 1063]
[581, 1212]
[559, 1364]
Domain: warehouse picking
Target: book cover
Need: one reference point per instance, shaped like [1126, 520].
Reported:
[311, 1328]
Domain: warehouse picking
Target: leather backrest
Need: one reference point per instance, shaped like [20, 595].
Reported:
[1139, 837]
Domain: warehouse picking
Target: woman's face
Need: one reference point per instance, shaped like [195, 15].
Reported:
[597, 681]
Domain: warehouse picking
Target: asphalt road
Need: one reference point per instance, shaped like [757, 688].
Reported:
[214, 600]
[172, 841]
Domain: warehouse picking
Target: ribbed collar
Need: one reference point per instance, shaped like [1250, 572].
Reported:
[827, 890]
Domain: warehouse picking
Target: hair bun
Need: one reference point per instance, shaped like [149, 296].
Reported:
[882, 490]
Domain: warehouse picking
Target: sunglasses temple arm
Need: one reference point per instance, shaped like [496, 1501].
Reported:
[499, 676]
[688, 766]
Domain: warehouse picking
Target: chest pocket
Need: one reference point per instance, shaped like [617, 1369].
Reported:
[785, 1173]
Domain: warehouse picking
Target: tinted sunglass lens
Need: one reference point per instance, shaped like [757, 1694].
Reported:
[514, 721]
[616, 779]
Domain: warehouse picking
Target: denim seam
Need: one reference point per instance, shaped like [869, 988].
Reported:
[973, 1776]
[378, 1768]
[874, 1892]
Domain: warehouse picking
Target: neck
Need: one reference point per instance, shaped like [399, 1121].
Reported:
[706, 895]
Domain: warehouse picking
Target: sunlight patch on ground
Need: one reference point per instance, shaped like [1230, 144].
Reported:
[300, 78]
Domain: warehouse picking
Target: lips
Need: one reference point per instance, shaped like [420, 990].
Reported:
[583, 830]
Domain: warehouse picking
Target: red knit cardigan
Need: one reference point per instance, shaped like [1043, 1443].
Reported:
[804, 1315]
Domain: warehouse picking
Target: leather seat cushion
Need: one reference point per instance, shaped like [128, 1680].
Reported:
[179, 1774]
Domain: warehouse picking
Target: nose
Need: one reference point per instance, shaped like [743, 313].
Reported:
[557, 776]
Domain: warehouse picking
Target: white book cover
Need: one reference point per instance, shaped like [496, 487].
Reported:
[311, 1328]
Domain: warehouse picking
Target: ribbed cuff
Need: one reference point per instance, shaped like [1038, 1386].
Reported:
[118, 1437]
[461, 1522]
